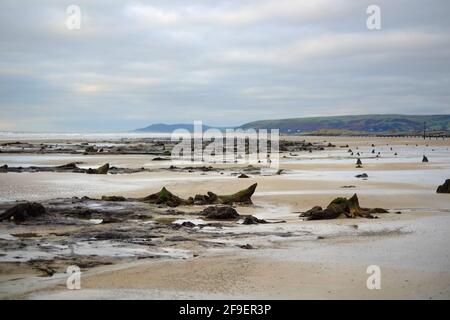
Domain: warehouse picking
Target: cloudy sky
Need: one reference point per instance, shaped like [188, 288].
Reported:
[133, 63]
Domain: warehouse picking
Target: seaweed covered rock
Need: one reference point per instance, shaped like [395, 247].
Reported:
[341, 207]
[24, 211]
[165, 197]
[100, 170]
[220, 213]
[241, 197]
[444, 188]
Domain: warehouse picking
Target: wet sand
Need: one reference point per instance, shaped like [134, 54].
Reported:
[411, 248]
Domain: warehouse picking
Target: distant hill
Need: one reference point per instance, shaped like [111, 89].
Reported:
[168, 128]
[374, 123]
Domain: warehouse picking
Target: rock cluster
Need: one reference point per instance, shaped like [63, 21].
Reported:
[341, 207]
[24, 211]
[165, 197]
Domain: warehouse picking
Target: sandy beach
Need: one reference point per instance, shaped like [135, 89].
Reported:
[290, 259]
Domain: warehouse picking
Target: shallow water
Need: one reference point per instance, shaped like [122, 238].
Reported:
[104, 248]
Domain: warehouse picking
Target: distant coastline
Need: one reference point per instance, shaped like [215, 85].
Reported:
[350, 125]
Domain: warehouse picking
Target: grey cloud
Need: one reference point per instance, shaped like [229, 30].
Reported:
[223, 62]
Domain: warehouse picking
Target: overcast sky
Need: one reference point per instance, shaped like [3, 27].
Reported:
[134, 63]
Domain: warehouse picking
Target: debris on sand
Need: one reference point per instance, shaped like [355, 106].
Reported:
[24, 211]
[246, 246]
[220, 213]
[253, 220]
[444, 188]
[341, 207]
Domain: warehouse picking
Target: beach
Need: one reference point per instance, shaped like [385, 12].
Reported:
[285, 258]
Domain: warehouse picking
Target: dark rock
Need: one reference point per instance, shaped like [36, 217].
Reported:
[110, 219]
[188, 224]
[243, 175]
[220, 213]
[24, 211]
[90, 149]
[202, 199]
[424, 159]
[362, 175]
[377, 210]
[113, 198]
[359, 162]
[246, 246]
[112, 235]
[253, 220]
[444, 188]
[177, 238]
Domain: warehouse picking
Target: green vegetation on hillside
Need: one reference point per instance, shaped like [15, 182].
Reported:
[383, 123]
